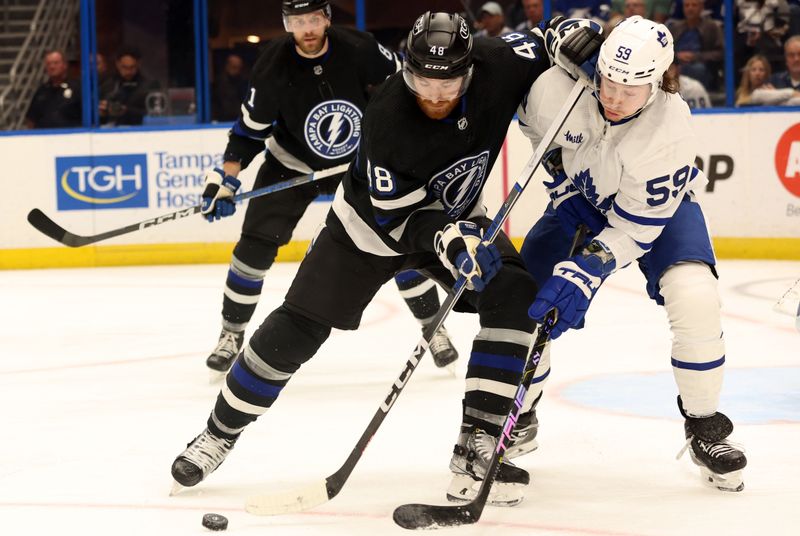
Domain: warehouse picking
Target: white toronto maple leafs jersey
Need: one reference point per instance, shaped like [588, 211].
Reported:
[636, 171]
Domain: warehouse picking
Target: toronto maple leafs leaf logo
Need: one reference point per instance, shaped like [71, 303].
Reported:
[584, 182]
[662, 38]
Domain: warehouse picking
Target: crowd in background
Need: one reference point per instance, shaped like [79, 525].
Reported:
[766, 59]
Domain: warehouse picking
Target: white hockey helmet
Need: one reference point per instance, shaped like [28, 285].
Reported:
[638, 51]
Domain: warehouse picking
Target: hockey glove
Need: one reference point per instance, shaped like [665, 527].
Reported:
[218, 195]
[572, 286]
[574, 44]
[462, 250]
[571, 207]
[575, 210]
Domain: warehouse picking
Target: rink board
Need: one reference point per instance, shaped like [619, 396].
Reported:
[90, 182]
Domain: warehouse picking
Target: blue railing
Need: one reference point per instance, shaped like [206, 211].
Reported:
[201, 61]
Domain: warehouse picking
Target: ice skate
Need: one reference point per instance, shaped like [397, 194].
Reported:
[442, 349]
[221, 359]
[202, 456]
[471, 458]
[523, 438]
[721, 462]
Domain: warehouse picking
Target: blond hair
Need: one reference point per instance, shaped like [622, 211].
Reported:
[745, 89]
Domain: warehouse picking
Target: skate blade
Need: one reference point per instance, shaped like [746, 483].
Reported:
[732, 481]
[463, 488]
[176, 488]
[516, 452]
[216, 376]
[448, 365]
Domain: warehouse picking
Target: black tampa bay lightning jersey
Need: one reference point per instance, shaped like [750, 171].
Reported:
[412, 174]
[311, 108]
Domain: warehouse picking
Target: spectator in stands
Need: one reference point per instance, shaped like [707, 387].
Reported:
[597, 10]
[712, 9]
[754, 89]
[57, 102]
[491, 21]
[698, 44]
[761, 28]
[791, 76]
[690, 89]
[230, 89]
[657, 10]
[123, 96]
[629, 9]
[102, 69]
[534, 12]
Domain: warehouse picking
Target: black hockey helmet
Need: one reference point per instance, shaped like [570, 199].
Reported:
[439, 45]
[438, 63]
[300, 7]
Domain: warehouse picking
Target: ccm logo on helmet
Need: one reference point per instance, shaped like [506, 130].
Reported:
[436, 67]
[617, 69]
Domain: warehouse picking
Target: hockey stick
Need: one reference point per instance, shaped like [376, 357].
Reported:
[430, 516]
[47, 226]
[789, 303]
[314, 494]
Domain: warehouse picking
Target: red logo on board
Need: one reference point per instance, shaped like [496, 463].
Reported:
[787, 159]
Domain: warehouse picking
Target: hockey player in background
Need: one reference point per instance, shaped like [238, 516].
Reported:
[412, 199]
[624, 165]
[306, 97]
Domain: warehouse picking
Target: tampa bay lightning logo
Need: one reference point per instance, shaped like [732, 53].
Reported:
[333, 129]
[459, 185]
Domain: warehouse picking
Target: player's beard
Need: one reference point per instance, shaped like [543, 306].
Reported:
[312, 48]
[438, 110]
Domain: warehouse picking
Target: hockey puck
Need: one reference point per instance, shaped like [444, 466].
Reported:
[215, 522]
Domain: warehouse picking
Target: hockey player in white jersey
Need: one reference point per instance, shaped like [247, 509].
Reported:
[623, 165]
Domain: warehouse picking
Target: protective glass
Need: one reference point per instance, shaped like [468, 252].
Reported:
[437, 89]
[305, 22]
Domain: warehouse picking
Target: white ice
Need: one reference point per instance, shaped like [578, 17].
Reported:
[103, 382]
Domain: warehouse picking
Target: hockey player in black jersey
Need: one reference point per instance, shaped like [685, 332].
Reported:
[410, 200]
[306, 97]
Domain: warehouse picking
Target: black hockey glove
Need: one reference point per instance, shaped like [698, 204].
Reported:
[574, 44]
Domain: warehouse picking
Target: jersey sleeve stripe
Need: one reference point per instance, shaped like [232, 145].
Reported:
[397, 232]
[409, 199]
[241, 130]
[357, 229]
[251, 123]
[641, 220]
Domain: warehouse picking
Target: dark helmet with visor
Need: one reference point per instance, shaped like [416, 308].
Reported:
[439, 46]
[301, 7]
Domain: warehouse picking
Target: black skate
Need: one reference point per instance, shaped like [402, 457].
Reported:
[221, 359]
[523, 437]
[202, 456]
[471, 458]
[720, 461]
[442, 349]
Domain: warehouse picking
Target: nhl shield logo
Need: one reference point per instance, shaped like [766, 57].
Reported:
[333, 129]
[460, 184]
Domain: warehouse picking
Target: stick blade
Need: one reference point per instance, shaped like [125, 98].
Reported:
[288, 502]
[430, 517]
[42, 223]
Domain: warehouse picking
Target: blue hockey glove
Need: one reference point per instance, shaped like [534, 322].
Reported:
[218, 195]
[462, 250]
[572, 286]
[575, 210]
[574, 45]
[571, 207]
